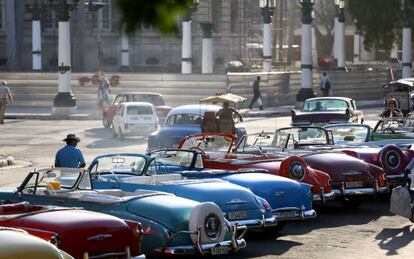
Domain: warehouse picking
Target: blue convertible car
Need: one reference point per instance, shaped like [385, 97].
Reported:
[130, 171]
[173, 225]
[288, 199]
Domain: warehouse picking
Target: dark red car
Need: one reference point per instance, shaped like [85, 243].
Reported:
[153, 98]
[78, 232]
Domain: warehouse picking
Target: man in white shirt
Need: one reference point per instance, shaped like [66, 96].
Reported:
[5, 95]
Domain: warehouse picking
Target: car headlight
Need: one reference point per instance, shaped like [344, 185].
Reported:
[213, 226]
[393, 159]
[297, 170]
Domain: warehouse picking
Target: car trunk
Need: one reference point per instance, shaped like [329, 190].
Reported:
[320, 117]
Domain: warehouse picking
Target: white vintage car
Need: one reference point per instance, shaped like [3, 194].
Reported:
[135, 118]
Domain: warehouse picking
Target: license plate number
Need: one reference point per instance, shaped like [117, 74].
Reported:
[220, 250]
[353, 184]
[242, 214]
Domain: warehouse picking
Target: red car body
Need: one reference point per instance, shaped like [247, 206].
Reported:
[279, 164]
[80, 233]
[153, 98]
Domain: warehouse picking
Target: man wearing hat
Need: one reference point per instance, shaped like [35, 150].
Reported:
[4, 95]
[69, 155]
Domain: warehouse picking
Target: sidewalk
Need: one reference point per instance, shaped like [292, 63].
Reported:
[45, 113]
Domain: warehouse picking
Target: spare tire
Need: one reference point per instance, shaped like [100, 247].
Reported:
[209, 217]
[392, 159]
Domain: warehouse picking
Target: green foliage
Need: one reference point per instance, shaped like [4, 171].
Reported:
[161, 14]
[380, 21]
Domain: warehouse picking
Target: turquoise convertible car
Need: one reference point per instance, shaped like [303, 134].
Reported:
[232, 191]
[173, 225]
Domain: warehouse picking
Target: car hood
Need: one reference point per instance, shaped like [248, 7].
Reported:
[280, 192]
[319, 117]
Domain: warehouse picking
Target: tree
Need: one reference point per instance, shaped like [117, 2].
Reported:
[162, 14]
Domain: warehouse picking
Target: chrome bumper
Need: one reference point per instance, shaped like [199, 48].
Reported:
[256, 223]
[359, 191]
[322, 197]
[285, 214]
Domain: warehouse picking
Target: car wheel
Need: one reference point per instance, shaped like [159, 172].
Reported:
[105, 121]
[351, 202]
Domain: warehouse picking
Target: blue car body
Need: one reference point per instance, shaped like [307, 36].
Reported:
[175, 128]
[129, 172]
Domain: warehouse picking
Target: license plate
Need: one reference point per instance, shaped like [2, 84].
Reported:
[220, 250]
[286, 214]
[354, 184]
[242, 214]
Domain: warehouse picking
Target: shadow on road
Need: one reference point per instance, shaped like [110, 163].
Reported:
[392, 239]
[105, 139]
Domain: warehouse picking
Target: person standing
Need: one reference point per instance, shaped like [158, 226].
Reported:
[225, 118]
[325, 85]
[256, 94]
[69, 155]
[104, 90]
[5, 96]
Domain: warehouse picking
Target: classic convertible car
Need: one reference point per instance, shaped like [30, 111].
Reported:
[17, 243]
[217, 153]
[325, 110]
[162, 172]
[131, 171]
[186, 120]
[80, 233]
[173, 225]
[393, 128]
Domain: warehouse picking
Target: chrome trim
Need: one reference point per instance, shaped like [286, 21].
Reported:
[327, 196]
[256, 223]
[360, 191]
[99, 237]
[300, 214]
[205, 249]
[395, 176]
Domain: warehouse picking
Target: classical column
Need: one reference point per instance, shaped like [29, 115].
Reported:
[207, 52]
[357, 47]
[335, 40]
[314, 49]
[267, 13]
[11, 34]
[124, 51]
[35, 10]
[306, 90]
[406, 44]
[64, 102]
[341, 36]
[186, 52]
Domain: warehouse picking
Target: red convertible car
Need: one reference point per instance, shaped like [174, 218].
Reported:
[80, 233]
[217, 150]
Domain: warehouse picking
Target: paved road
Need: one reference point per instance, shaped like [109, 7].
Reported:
[367, 232]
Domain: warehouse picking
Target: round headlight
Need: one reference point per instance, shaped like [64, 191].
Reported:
[297, 170]
[393, 159]
[213, 226]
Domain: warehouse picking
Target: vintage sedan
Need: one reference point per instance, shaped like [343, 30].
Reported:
[132, 171]
[17, 243]
[173, 225]
[162, 172]
[288, 199]
[217, 154]
[183, 121]
[153, 98]
[325, 110]
[81, 233]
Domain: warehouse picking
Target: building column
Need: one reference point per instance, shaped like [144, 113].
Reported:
[207, 48]
[186, 56]
[124, 51]
[341, 36]
[335, 40]
[267, 13]
[36, 37]
[406, 44]
[357, 47]
[65, 102]
[306, 90]
[314, 49]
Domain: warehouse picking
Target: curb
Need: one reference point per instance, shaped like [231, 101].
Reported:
[6, 161]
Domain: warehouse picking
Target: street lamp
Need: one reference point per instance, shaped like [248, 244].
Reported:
[267, 7]
[306, 90]
[406, 47]
[186, 50]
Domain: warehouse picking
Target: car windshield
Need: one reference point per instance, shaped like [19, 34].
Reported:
[153, 99]
[324, 105]
[139, 110]
[308, 135]
[393, 125]
[179, 119]
[182, 158]
[349, 133]
[264, 141]
[119, 164]
[209, 143]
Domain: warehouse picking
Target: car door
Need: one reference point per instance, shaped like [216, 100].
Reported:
[114, 107]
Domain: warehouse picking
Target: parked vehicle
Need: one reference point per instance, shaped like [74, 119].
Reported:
[174, 225]
[183, 121]
[217, 150]
[153, 98]
[80, 233]
[17, 243]
[325, 110]
[288, 199]
[393, 128]
[135, 118]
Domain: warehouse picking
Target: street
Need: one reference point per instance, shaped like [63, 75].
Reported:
[367, 232]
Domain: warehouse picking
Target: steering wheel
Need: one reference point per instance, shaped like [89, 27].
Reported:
[203, 153]
[388, 130]
[98, 175]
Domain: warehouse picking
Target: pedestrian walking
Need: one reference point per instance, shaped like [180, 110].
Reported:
[225, 118]
[5, 97]
[69, 155]
[256, 94]
[325, 85]
[104, 90]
